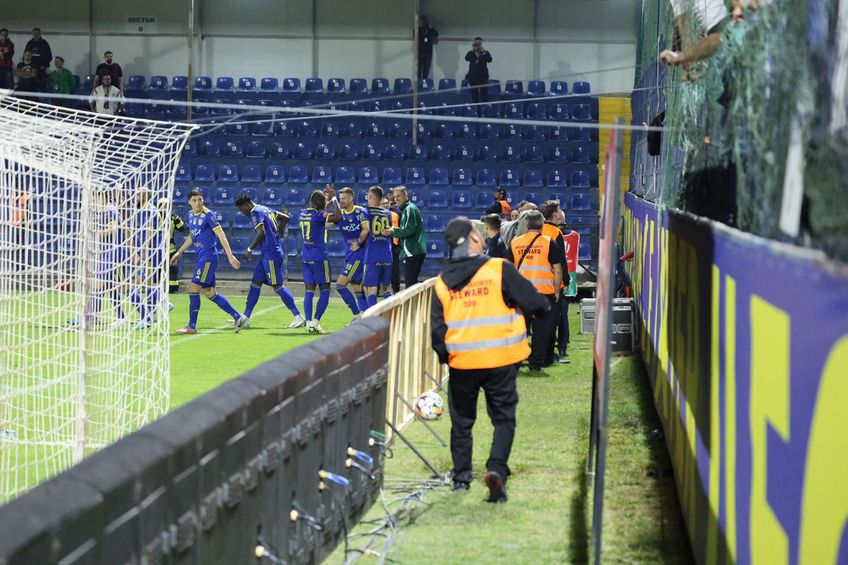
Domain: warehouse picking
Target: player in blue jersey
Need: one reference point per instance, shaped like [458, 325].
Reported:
[378, 248]
[269, 224]
[354, 226]
[205, 233]
[316, 263]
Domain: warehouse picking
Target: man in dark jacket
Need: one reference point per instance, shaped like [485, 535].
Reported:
[478, 71]
[42, 56]
[494, 246]
[477, 328]
[427, 37]
[7, 68]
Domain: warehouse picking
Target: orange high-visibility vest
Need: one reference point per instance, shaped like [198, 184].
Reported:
[536, 268]
[483, 332]
[19, 212]
[552, 232]
[395, 223]
[506, 209]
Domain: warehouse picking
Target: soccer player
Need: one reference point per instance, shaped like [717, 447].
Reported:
[205, 229]
[316, 263]
[354, 226]
[378, 248]
[147, 253]
[268, 224]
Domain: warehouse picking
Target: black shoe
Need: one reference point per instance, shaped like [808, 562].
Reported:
[459, 486]
[497, 488]
[534, 368]
[563, 359]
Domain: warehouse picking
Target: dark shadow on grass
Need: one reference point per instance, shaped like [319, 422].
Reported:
[578, 537]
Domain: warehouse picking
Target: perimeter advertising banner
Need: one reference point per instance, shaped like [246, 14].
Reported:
[746, 342]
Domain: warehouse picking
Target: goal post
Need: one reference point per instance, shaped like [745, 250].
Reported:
[85, 204]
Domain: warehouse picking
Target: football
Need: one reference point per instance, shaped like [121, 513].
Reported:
[429, 406]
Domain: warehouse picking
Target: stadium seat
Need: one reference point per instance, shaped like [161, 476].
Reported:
[579, 179]
[437, 199]
[285, 129]
[418, 153]
[445, 109]
[157, 82]
[558, 88]
[415, 176]
[425, 85]
[514, 89]
[532, 178]
[275, 174]
[416, 198]
[511, 154]
[180, 194]
[225, 218]
[488, 153]
[349, 152]
[314, 86]
[280, 150]
[513, 112]
[580, 202]
[486, 177]
[536, 88]
[269, 84]
[257, 150]
[242, 222]
[558, 134]
[224, 195]
[228, 173]
[443, 130]
[484, 200]
[559, 112]
[466, 131]
[371, 152]
[489, 131]
[392, 176]
[345, 175]
[336, 247]
[464, 153]
[336, 86]
[494, 89]
[136, 82]
[369, 175]
[447, 84]
[581, 87]
[558, 154]
[402, 86]
[291, 85]
[536, 133]
[580, 134]
[190, 149]
[210, 148]
[395, 152]
[322, 175]
[233, 149]
[298, 174]
[512, 132]
[490, 111]
[247, 84]
[462, 176]
[400, 130]
[251, 173]
[380, 87]
[183, 173]
[435, 249]
[441, 153]
[375, 129]
[434, 224]
[303, 152]
[358, 86]
[179, 83]
[307, 128]
[238, 129]
[424, 131]
[204, 173]
[352, 129]
[439, 176]
[325, 151]
[556, 179]
[584, 251]
[362, 198]
[461, 200]
[581, 154]
[537, 111]
[510, 177]
[533, 154]
[330, 129]
[296, 197]
[224, 84]
[581, 113]
[272, 197]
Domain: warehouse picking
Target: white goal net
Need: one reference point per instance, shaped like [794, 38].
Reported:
[85, 203]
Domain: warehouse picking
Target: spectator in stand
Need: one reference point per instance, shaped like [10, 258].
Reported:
[427, 37]
[494, 246]
[61, 82]
[41, 56]
[106, 99]
[389, 204]
[27, 77]
[478, 71]
[109, 68]
[709, 18]
[7, 67]
[501, 206]
[411, 236]
[553, 215]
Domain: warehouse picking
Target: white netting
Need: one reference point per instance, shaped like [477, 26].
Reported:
[84, 350]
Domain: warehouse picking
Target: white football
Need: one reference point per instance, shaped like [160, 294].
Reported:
[429, 406]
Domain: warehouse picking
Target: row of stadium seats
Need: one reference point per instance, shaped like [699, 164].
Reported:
[367, 175]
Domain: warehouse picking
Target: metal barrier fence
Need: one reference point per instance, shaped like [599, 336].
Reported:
[282, 459]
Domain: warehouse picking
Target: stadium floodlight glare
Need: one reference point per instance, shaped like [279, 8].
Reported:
[85, 203]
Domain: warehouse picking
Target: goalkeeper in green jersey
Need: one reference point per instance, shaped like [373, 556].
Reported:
[177, 225]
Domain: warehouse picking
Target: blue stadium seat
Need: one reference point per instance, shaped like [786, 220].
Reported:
[322, 175]
[581, 87]
[558, 154]
[466, 131]
[210, 148]
[314, 86]
[558, 88]
[581, 154]
[445, 109]
[424, 131]
[157, 82]
[511, 154]
[579, 179]
[345, 175]
[375, 129]
[447, 84]
[352, 129]
[556, 179]
[439, 177]
[234, 149]
[533, 154]
[487, 153]
[395, 152]
[437, 200]
[443, 130]
[512, 132]
[392, 176]
[228, 173]
[403, 86]
[462, 176]
[434, 224]
[514, 89]
[291, 85]
[225, 84]
[486, 177]
[179, 83]
[183, 173]
[581, 113]
[559, 112]
[369, 175]
[247, 84]
[204, 173]
[435, 249]
[362, 198]
[536, 88]
[468, 111]
[415, 176]
[272, 197]
[242, 222]
[275, 174]
[494, 89]
[239, 129]
[400, 130]
[484, 200]
[330, 129]
[257, 149]
[416, 197]
[180, 194]
[490, 111]
[558, 134]
[292, 247]
[336, 247]
[510, 177]
[269, 84]
[251, 173]
[464, 153]
[580, 134]
[380, 87]
[239, 244]
[358, 86]
[418, 153]
[584, 251]
[513, 112]
[325, 151]
[532, 178]
[298, 174]
[371, 152]
[280, 150]
[296, 197]
[136, 82]
[489, 131]
[536, 133]
[303, 151]
[133, 110]
[285, 129]
[225, 218]
[224, 195]
[307, 128]
[441, 153]
[425, 85]
[190, 149]
[349, 152]
[461, 200]
[537, 111]
[336, 86]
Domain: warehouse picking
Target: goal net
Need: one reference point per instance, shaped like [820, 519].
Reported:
[84, 227]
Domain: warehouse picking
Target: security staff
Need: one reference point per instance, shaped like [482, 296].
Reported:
[501, 207]
[539, 260]
[552, 213]
[479, 330]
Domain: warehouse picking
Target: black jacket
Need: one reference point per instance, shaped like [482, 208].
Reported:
[495, 247]
[42, 56]
[518, 292]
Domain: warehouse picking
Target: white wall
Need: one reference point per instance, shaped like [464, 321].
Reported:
[592, 40]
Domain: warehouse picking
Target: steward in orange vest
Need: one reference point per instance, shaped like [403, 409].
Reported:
[478, 329]
[540, 261]
[560, 336]
[501, 207]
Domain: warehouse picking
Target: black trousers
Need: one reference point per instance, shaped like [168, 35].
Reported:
[412, 269]
[173, 276]
[6, 79]
[501, 399]
[425, 61]
[561, 335]
[395, 269]
[543, 327]
[479, 89]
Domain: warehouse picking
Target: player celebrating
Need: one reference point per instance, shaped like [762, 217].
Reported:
[204, 231]
[354, 227]
[268, 224]
[316, 263]
[378, 248]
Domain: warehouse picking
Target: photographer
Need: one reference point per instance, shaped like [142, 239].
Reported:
[478, 71]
